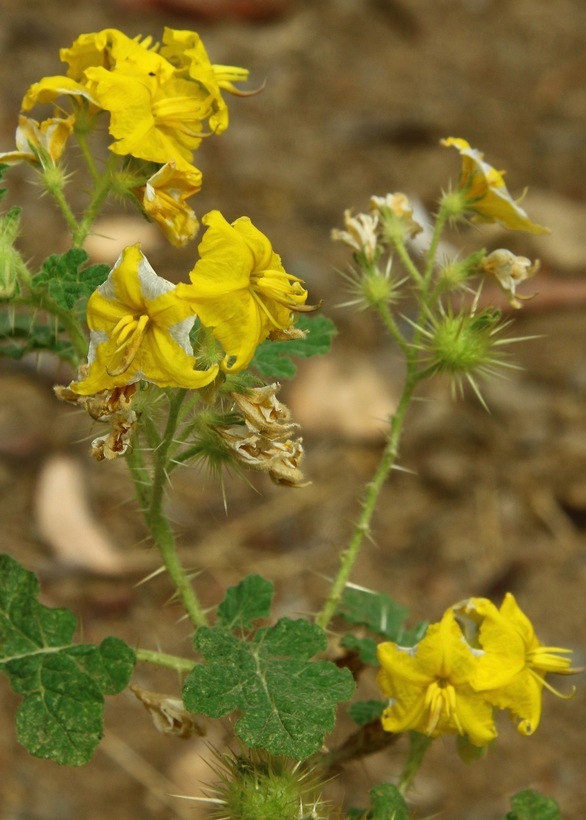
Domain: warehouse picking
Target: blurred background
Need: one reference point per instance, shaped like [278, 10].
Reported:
[357, 95]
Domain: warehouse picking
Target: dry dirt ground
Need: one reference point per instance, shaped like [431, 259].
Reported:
[357, 95]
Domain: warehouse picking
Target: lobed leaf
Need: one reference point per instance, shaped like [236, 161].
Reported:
[376, 611]
[273, 359]
[63, 684]
[366, 711]
[287, 701]
[245, 603]
[66, 280]
[530, 805]
[387, 804]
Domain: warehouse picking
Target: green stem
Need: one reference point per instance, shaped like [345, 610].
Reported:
[388, 321]
[103, 186]
[418, 746]
[373, 489]
[59, 197]
[438, 229]
[407, 261]
[157, 521]
[87, 155]
[163, 659]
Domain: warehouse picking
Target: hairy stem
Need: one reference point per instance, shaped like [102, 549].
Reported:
[164, 659]
[418, 746]
[157, 521]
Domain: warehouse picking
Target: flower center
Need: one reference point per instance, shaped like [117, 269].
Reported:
[128, 335]
[280, 288]
[440, 699]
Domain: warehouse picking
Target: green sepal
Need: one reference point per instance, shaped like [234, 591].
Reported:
[63, 684]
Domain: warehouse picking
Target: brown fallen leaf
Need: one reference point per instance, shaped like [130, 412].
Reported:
[66, 523]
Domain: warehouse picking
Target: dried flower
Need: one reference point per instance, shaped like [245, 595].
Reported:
[509, 271]
[361, 235]
[396, 215]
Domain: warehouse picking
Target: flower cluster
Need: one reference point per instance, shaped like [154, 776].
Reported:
[161, 99]
[476, 658]
[143, 328]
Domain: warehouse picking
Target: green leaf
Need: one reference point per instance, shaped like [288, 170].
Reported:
[273, 359]
[246, 602]
[287, 701]
[377, 611]
[366, 647]
[65, 279]
[63, 684]
[387, 804]
[20, 334]
[530, 805]
[366, 711]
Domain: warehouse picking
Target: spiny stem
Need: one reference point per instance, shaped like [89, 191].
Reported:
[373, 489]
[164, 659]
[59, 197]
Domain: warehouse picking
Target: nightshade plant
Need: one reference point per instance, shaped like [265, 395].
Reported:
[210, 351]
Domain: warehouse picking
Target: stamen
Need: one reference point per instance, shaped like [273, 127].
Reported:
[132, 332]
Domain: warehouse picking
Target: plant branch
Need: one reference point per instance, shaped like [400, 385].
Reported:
[164, 659]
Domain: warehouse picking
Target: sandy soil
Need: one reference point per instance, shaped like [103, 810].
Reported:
[358, 93]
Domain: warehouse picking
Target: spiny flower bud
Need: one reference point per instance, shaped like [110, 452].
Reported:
[257, 786]
[464, 345]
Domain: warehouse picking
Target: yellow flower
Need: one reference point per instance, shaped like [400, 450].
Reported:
[185, 50]
[154, 115]
[104, 48]
[240, 289]
[486, 194]
[163, 200]
[512, 666]
[49, 88]
[139, 330]
[429, 689]
[39, 142]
